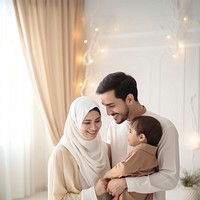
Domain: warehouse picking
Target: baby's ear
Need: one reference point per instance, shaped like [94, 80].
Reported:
[142, 137]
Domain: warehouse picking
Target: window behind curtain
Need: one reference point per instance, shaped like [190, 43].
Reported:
[15, 88]
[17, 142]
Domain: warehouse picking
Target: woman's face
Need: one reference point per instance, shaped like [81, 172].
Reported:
[91, 125]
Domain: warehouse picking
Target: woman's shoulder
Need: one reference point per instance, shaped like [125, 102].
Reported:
[63, 159]
[60, 152]
[60, 149]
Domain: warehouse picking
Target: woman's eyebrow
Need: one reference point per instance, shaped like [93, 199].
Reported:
[87, 120]
[91, 119]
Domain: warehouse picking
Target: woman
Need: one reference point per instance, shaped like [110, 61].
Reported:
[81, 157]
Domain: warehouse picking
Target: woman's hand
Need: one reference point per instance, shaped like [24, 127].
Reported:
[116, 186]
[101, 186]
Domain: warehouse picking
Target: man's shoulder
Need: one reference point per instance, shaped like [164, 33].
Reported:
[163, 120]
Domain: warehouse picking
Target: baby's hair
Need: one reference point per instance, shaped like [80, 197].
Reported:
[150, 127]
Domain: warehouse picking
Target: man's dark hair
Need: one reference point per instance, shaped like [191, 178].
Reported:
[150, 127]
[121, 83]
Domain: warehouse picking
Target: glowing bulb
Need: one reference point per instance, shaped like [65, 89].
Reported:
[85, 41]
[96, 29]
[79, 59]
[185, 19]
[191, 139]
[168, 37]
[180, 45]
[174, 55]
[80, 84]
[91, 61]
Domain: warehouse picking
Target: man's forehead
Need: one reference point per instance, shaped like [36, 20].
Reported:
[109, 100]
[107, 97]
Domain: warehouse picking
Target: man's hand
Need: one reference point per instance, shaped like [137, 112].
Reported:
[116, 186]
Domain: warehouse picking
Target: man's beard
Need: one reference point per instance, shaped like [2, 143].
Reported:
[123, 116]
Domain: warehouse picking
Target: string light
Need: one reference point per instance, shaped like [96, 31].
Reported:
[192, 141]
[79, 59]
[177, 27]
[91, 61]
[174, 55]
[181, 45]
[92, 84]
[168, 37]
[174, 40]
[185, 19]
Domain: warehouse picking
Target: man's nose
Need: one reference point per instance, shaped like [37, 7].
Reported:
[109, 111]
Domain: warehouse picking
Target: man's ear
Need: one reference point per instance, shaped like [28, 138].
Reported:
[129, 99]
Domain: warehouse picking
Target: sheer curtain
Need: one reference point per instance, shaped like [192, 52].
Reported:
[18, 149]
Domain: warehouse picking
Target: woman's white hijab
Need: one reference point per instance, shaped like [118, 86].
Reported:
[90, 155]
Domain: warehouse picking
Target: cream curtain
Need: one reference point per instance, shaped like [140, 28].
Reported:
[51, 33]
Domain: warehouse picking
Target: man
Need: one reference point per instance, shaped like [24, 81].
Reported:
[119, 95]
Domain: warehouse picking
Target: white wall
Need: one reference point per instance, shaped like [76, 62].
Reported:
[133, 36]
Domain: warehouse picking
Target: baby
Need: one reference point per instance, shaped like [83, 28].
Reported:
[145, 134]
